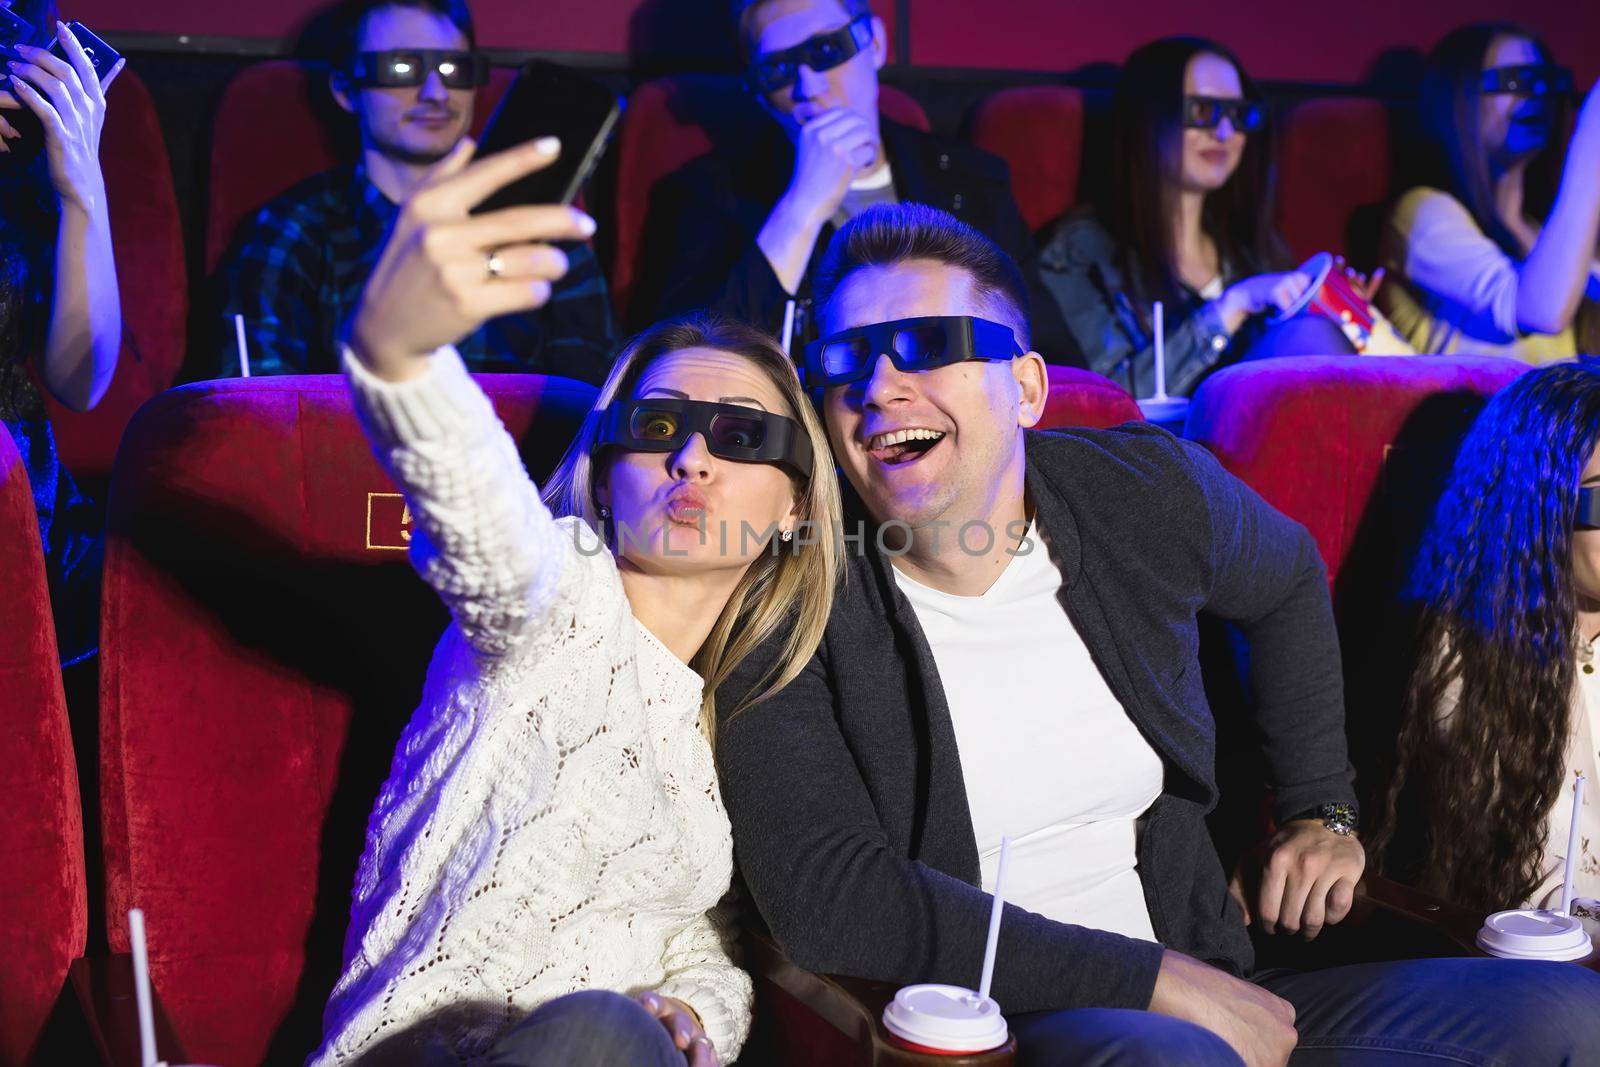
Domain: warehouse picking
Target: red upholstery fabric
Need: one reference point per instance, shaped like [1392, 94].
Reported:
[150, 273]
[668, 123]
[1084, 398]
[1333, 177]
[43, 909]
[1313, 435]
[1038, 131]
[267, 136]
[263, 643]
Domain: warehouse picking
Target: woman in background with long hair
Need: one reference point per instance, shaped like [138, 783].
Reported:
[60, 312]
[1188, 223]
[1504, 701]
[1491, 254]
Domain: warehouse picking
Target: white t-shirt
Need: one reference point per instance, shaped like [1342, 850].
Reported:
[1048, 754]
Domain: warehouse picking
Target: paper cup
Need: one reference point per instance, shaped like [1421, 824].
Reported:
[1530, 934]
[945, 1018]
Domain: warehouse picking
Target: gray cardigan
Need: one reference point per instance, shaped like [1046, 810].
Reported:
[850, 819]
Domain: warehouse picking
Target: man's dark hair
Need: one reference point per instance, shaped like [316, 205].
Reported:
[337, 41]
[741, 10]
[887, 234]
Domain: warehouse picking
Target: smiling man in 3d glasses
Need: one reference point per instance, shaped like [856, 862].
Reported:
[408, 72]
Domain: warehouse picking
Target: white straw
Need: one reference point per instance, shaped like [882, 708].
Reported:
[141, 989]
[994, 920]
[244, 352]
[1161, 355]
[788, 328]
[1572, 845]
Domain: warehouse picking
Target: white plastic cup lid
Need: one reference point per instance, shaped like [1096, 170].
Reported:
[945, 1018]
[1530, 934]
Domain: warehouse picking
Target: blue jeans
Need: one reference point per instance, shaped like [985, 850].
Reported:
[594, 1028]
[1477, 1012]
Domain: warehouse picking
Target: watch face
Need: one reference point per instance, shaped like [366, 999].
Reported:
[1340, 818]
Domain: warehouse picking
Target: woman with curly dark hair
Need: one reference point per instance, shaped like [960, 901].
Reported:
[1502, 703]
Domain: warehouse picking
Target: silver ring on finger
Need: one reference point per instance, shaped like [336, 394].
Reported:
[493, 265]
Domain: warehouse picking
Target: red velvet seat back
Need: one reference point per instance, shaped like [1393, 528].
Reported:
[148, 243]
[43, 909]
[264, 641]
[1333, 177]
[672, 121]
[268, 136]
[1084, 398]
[1314, 435]
[1038, 131]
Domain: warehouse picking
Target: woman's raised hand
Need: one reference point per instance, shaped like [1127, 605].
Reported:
[444, 272]
[70, 103]
[1267, 292]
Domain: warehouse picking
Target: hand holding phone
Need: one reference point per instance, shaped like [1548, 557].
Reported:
[58, 103]
[548, 100]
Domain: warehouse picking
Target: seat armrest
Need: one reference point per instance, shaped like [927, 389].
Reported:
[103, 986]
[1450, 922]
[854, 1008]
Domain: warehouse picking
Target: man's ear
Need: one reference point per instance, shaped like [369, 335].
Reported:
[339, 89]
[1033, 385]
[880, 44]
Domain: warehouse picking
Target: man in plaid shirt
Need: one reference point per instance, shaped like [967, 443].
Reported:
[407, 71]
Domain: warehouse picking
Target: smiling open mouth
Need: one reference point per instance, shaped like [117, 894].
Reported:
[902, 446]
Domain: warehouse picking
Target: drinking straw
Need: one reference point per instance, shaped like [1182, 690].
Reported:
[141, 989]
[994, 921]
[244, 353]
[1161, 355]
[1572, 846]
[788, 328]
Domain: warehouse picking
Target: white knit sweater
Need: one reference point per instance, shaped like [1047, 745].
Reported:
[552, 820]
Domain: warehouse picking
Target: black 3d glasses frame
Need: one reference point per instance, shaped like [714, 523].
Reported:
[731, 431]
[916, 344]
[777, 70]
[1589, 508]
[1528, 79]
[403, 68]
[1207, 112]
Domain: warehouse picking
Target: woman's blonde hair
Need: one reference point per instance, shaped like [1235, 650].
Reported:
[788, 584]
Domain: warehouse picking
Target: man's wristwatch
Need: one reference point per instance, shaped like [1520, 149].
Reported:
[1342, 819]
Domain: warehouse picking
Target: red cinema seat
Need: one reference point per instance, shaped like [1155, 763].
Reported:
[1314, 435]
[671, 121]
[1333, 177]
[1038, 131]
[148, 243]
[1084, 398]
[43, 907]
[1358, 451]
[264, 642]
[268, 136]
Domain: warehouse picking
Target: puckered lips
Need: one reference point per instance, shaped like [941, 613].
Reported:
[686, 506]
[899, 448]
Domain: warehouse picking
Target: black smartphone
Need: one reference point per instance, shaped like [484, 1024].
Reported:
[549, 100]
[102, 55]
[15, 30]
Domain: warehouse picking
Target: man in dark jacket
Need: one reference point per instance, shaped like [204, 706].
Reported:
[1014, 654]
[742, 230]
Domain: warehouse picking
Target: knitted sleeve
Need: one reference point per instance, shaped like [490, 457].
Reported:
[702, 972]
[483, 539]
